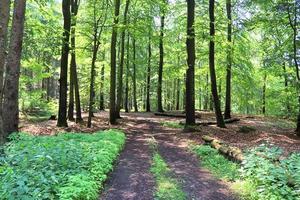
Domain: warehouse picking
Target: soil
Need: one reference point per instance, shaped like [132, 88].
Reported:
[132, 179]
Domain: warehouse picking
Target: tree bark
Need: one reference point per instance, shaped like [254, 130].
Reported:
[112, 110]
[148, 104]
[11, 89]
[190, 73]
[178, 95]
[102, 107]
[161, 61]
[62, 111]
[293, 25]
[127, 76]
[92, 80]
[134, 77]
[264, 94]
[214, 89]
[4, 20]
[121, 66]
[73, 65]
[227, 114]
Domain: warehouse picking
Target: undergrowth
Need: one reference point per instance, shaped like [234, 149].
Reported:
[263, 174]
[167, 188]
[172, 124]
[67, 166]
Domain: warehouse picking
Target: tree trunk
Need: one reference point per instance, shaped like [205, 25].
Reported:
[214, 89]
[102, 107]
[227, 114]
[4, 20]
[134, 78]
[92, 80]
[190, 73]
[11, 89]
[293, 25]
[178, 95]
[148, 105]
[127, 77]
[62, 111]
[121, 66]
[264, 94]
[73, 69]
[286, 85]
[112, 110]
[161, 61]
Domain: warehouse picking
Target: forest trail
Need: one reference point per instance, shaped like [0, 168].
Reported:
[132, 179]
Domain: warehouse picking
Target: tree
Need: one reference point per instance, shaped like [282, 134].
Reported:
[112, 106]
[74, 86]
[11, 89]
[148, 105]
[126, 102]
[134, 77]
[98, 26]
[214, 89]
[121, 66]
[227, 114]
[293, 22]
[63, 86]
[4, 19]
[190, 73]
[161, 58]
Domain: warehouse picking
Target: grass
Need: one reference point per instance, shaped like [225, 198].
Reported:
[172, 125]
[216, 163]
[68, 166]
[167, 188]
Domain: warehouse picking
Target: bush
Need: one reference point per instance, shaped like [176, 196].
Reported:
[67, 166]
[274, 178]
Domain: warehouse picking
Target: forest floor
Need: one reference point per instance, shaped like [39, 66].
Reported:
[132, 179]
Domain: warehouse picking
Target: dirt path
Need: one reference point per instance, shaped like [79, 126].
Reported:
[131, 178]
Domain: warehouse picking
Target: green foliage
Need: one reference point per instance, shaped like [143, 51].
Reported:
[218, 164]
[274, 178]
[172, 124]
[66, 166]
[264, 174]
[167, 187]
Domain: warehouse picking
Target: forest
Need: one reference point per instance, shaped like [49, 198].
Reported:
[156, 99]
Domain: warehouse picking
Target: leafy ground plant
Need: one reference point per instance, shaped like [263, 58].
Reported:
[216, 163]
[167, 187]
[67, 166]
[264, 173]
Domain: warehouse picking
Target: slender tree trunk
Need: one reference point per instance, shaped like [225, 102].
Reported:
[264, 94]
[227, 114]
[178, 95]
[134, 77]
[4, 20]
[102, 87]
[73, 69]
[11, 89]
[148, 104]
[190, 73]
[92, 81]
[161, 61]
[112, 110]
[288, 106]
[121, 66]
[219, 117]
[294, 26]
[127, 77]
[62, 111]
